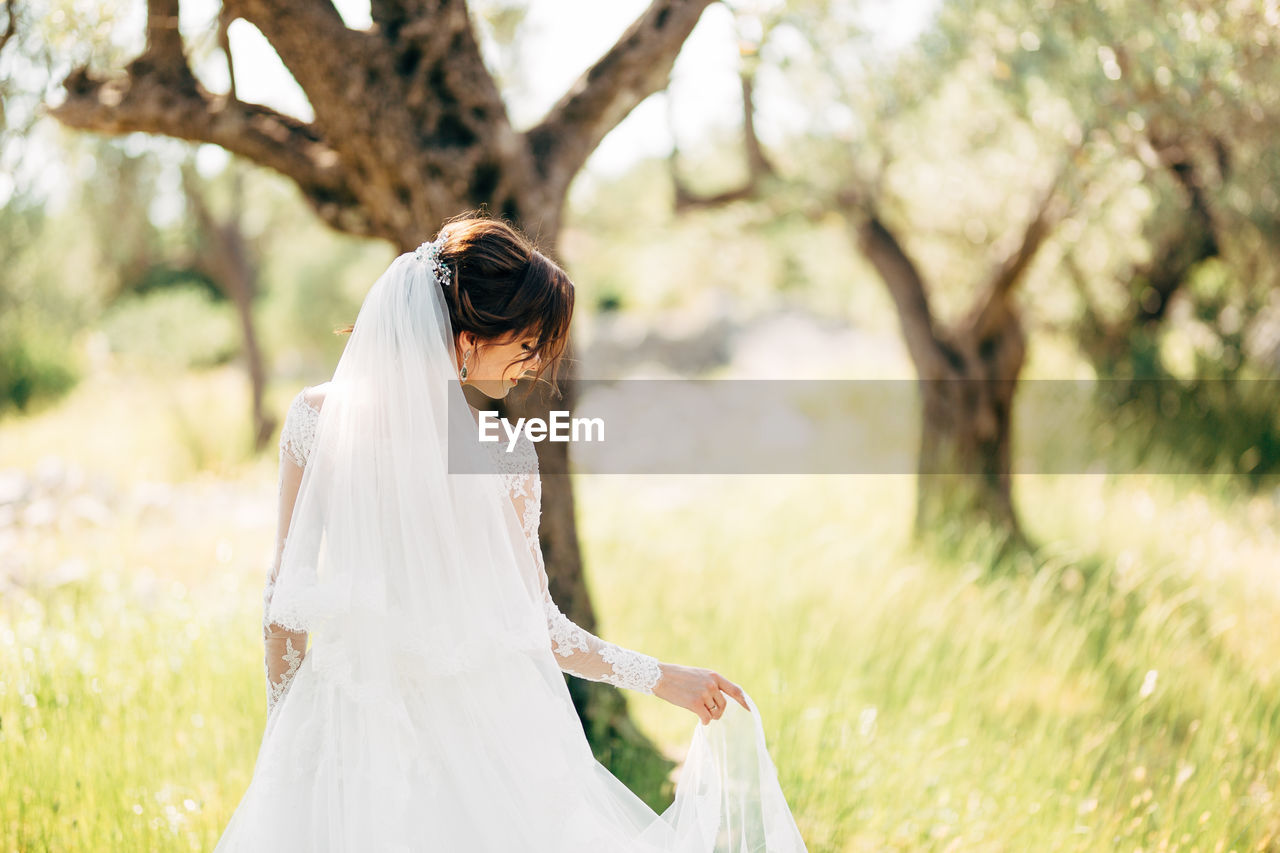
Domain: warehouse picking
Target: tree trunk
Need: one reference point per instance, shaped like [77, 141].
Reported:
[966, 437]
[264, 426]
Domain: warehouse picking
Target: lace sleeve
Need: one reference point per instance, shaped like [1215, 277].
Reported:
[299, 430]
[283, 650]
[578, 651]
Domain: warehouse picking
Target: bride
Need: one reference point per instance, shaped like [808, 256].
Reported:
[430, 712]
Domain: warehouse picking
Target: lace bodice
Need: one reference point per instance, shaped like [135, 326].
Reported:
[577, 651]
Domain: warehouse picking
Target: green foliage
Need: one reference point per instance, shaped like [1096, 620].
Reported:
[1181, 105]
[178, 326]
[610, 299]
[33, 368]
[1183, 396]
[161, 277]
[1202, 426]
[40, 307]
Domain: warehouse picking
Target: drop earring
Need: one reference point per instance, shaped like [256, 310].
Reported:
[463, 375]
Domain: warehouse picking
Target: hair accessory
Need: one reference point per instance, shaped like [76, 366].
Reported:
[429, 252]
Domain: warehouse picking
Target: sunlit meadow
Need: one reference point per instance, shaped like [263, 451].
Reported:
[1122, 695]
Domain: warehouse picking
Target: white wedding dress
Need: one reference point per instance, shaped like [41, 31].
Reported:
[425, 771]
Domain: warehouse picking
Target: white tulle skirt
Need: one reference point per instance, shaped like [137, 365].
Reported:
[462, 763]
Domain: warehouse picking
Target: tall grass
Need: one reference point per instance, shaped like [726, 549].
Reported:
[1120, 694]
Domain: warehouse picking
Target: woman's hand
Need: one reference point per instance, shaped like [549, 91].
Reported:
[702, 691]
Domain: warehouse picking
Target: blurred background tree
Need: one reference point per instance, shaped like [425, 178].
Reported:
[990, 94]
[968, 366]
[1184, 102]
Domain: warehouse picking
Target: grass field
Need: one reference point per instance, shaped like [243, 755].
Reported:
[1122, 695]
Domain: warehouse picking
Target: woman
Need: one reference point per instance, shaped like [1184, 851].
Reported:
[430, 712]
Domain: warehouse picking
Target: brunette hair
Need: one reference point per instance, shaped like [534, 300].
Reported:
[502, 285]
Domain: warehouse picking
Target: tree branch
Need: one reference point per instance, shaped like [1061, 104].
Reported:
[144, 100]
[314, 43]
[1048, 213]
[758, 166]
[164, 40]
[901, 278]
[224, 44]
[1093, 325]
[638, 65]
[987, 312]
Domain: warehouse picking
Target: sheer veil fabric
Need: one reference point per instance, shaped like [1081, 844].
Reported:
[430, 712]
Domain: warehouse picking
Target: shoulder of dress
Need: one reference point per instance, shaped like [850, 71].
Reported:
[313, 396]
[299, 429]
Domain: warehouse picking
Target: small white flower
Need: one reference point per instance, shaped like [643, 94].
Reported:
[867, 721]
[1148, 684]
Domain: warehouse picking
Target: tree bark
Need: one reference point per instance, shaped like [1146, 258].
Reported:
[966, 435]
